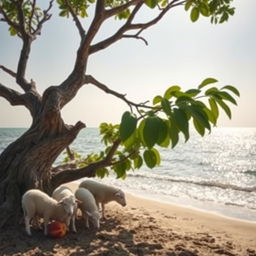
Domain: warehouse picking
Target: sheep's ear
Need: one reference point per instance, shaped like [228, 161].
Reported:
[88, 213]
[118, 193]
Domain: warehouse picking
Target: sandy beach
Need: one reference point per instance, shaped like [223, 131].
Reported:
[143, 227]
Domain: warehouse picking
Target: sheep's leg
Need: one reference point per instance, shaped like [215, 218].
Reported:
[86, 218]
[46, 221]
[27, 225]
[74, 220]
[73, 223]
[87, 222]
[68, 222]
[103, 211]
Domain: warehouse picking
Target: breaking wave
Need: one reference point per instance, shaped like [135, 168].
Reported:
[199, 183]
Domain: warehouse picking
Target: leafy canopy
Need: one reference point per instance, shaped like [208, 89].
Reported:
[171, 115]
[217, 10]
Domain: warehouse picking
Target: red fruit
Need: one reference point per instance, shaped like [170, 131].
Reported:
[57, 229]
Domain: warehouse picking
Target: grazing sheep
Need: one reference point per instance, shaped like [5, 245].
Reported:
[88, 207]
[37, 203]
[104, 193]
[65, 192]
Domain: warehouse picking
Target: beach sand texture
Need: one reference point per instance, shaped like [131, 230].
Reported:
[143, 227]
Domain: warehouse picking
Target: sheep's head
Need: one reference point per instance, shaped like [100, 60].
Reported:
[120, 197]
[95, 218]
[69, 204]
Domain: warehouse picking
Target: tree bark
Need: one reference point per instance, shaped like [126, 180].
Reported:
[27, 163]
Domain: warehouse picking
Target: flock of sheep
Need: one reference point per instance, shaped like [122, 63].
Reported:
[63, 204]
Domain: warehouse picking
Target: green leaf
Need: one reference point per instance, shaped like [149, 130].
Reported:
[140, 132]
[165, 143]
[204, 9]
[157, 155]
[214, 108]
[226, 96]
[127, 126]
[193, 92]
[211, 91]
[102, 172]
[137, 162]
[63, 13]
[163, 132]
[170, 90]
[194, 15]
[150, 158]
[232, 89]
[225, 107]
[12, 31]
[131, 141]
[181, 122]
[199, 128]
[157, 99]
[187, 5]
[207, 81]
[151, 3]
[174, 133]
[224, 17]
[200, 116]
[210, 115]
[120, 169]
[166, 106]
[151, 131]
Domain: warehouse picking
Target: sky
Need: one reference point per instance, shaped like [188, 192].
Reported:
[179, 53]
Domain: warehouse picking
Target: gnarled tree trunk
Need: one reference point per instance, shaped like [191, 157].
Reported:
[27, 162]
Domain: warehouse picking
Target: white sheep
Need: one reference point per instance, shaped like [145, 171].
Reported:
[36, 203]
[65, 192]
[104, 193]
[88, 207]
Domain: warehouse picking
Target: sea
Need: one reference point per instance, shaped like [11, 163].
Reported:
[215, 173]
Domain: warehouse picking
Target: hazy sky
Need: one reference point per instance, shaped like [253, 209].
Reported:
[179, 52]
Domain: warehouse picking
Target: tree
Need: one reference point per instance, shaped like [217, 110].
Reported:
[143, 127]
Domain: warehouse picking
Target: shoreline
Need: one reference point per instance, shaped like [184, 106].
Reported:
[207, 207]
[193, 208]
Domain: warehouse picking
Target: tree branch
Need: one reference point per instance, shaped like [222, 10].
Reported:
[119, 34]
[139, 26]
[87, 171]
[46, 17]
[136, 37]
[8, 71]
[103, 87]
[12, 96]
[77, 21]
[82, 53]
[75, 80]
[33, 5]
[116, 10]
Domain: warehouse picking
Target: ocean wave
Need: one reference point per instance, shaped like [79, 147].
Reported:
[200, 183]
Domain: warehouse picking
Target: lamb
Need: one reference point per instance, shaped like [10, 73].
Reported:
[104, 193]
[65, 192]
[37, 203]
[88, 207]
